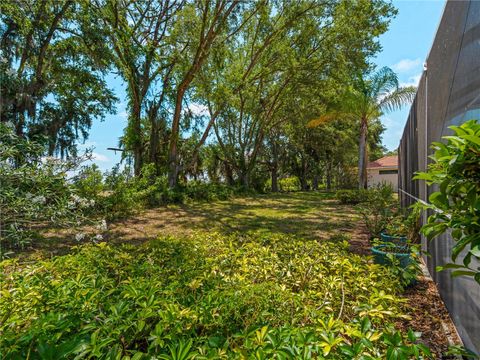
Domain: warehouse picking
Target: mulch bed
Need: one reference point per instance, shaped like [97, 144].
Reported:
[430, 316]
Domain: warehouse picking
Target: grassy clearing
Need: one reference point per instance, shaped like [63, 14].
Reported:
[306, 214]
[311, 215]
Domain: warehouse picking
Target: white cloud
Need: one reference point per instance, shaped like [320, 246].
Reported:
[406, 65]
[198, 109]
[123, 114]
[99, 157]
[412, 80]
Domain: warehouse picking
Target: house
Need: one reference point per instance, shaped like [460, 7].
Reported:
[383, 170]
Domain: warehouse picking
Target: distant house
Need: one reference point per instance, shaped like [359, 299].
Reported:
[384, 170]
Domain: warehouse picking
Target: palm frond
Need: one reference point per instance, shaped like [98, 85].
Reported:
[398, 98]
[383, 82]
[331, 116]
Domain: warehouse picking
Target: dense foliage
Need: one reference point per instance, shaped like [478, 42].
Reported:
[219, 91]
[35, 193]
[206, 296]
[455, 173]
[53, 64]
[351, 197]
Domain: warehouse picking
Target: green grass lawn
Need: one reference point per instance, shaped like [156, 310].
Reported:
[312, 215]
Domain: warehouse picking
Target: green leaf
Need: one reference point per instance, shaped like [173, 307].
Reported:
[463, 273]
[471, 138]
[449, 266]
[438, 199]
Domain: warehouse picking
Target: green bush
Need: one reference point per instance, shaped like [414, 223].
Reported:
[206, 296]
[378, 209]
[126, 194]
[35, 193]
[456, 204]
[89, 182]
[201, 191]
[351, 197]
[291, 183]
[121, 196]
[405, 223]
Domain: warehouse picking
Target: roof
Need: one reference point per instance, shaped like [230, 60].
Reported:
[384, 162]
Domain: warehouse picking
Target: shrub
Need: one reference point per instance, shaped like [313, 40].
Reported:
[406, 223]
[121, 197]
[456, 205]
[291, 183]
[88, 183]
[201, 191]
[351, 197]
[208, 295]
[35, 193]
[127, 194]
[378, 209]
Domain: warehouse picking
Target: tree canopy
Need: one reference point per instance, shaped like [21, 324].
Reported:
[216, 90]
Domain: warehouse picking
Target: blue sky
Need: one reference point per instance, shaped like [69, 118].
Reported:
[405, 48]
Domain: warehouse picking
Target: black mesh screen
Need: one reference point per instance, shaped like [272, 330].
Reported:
[448, 93]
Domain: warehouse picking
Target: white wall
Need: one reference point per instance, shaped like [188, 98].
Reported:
[374, 178]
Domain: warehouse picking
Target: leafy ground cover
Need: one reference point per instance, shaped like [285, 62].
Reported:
[210, 295]
[248, 278]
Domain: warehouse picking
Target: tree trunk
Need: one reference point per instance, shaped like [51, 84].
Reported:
[172, 153]
[274, 167]
[244, 178]
[363, 155]
[274, 179]
[329, 176]
[303, 177]
[229, 174]
[137, 139]
[154, 135]
[315, 182]
[153, 146]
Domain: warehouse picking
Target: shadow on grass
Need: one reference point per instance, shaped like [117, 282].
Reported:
[311, 215]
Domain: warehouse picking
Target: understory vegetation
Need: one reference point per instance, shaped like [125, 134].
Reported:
[210, 296]
[219, 91]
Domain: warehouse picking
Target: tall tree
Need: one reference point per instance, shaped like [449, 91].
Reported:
[138, 33]
[365, 101]
[52, 64]
[211, 22]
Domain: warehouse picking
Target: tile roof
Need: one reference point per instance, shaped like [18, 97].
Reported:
[386, 161]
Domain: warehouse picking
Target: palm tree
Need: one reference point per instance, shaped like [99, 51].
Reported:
[370, 98]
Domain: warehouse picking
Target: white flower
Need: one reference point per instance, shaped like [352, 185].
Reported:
[92, 202]
[103, 226]
[40, 199]
[79, 236]
[98, 237]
